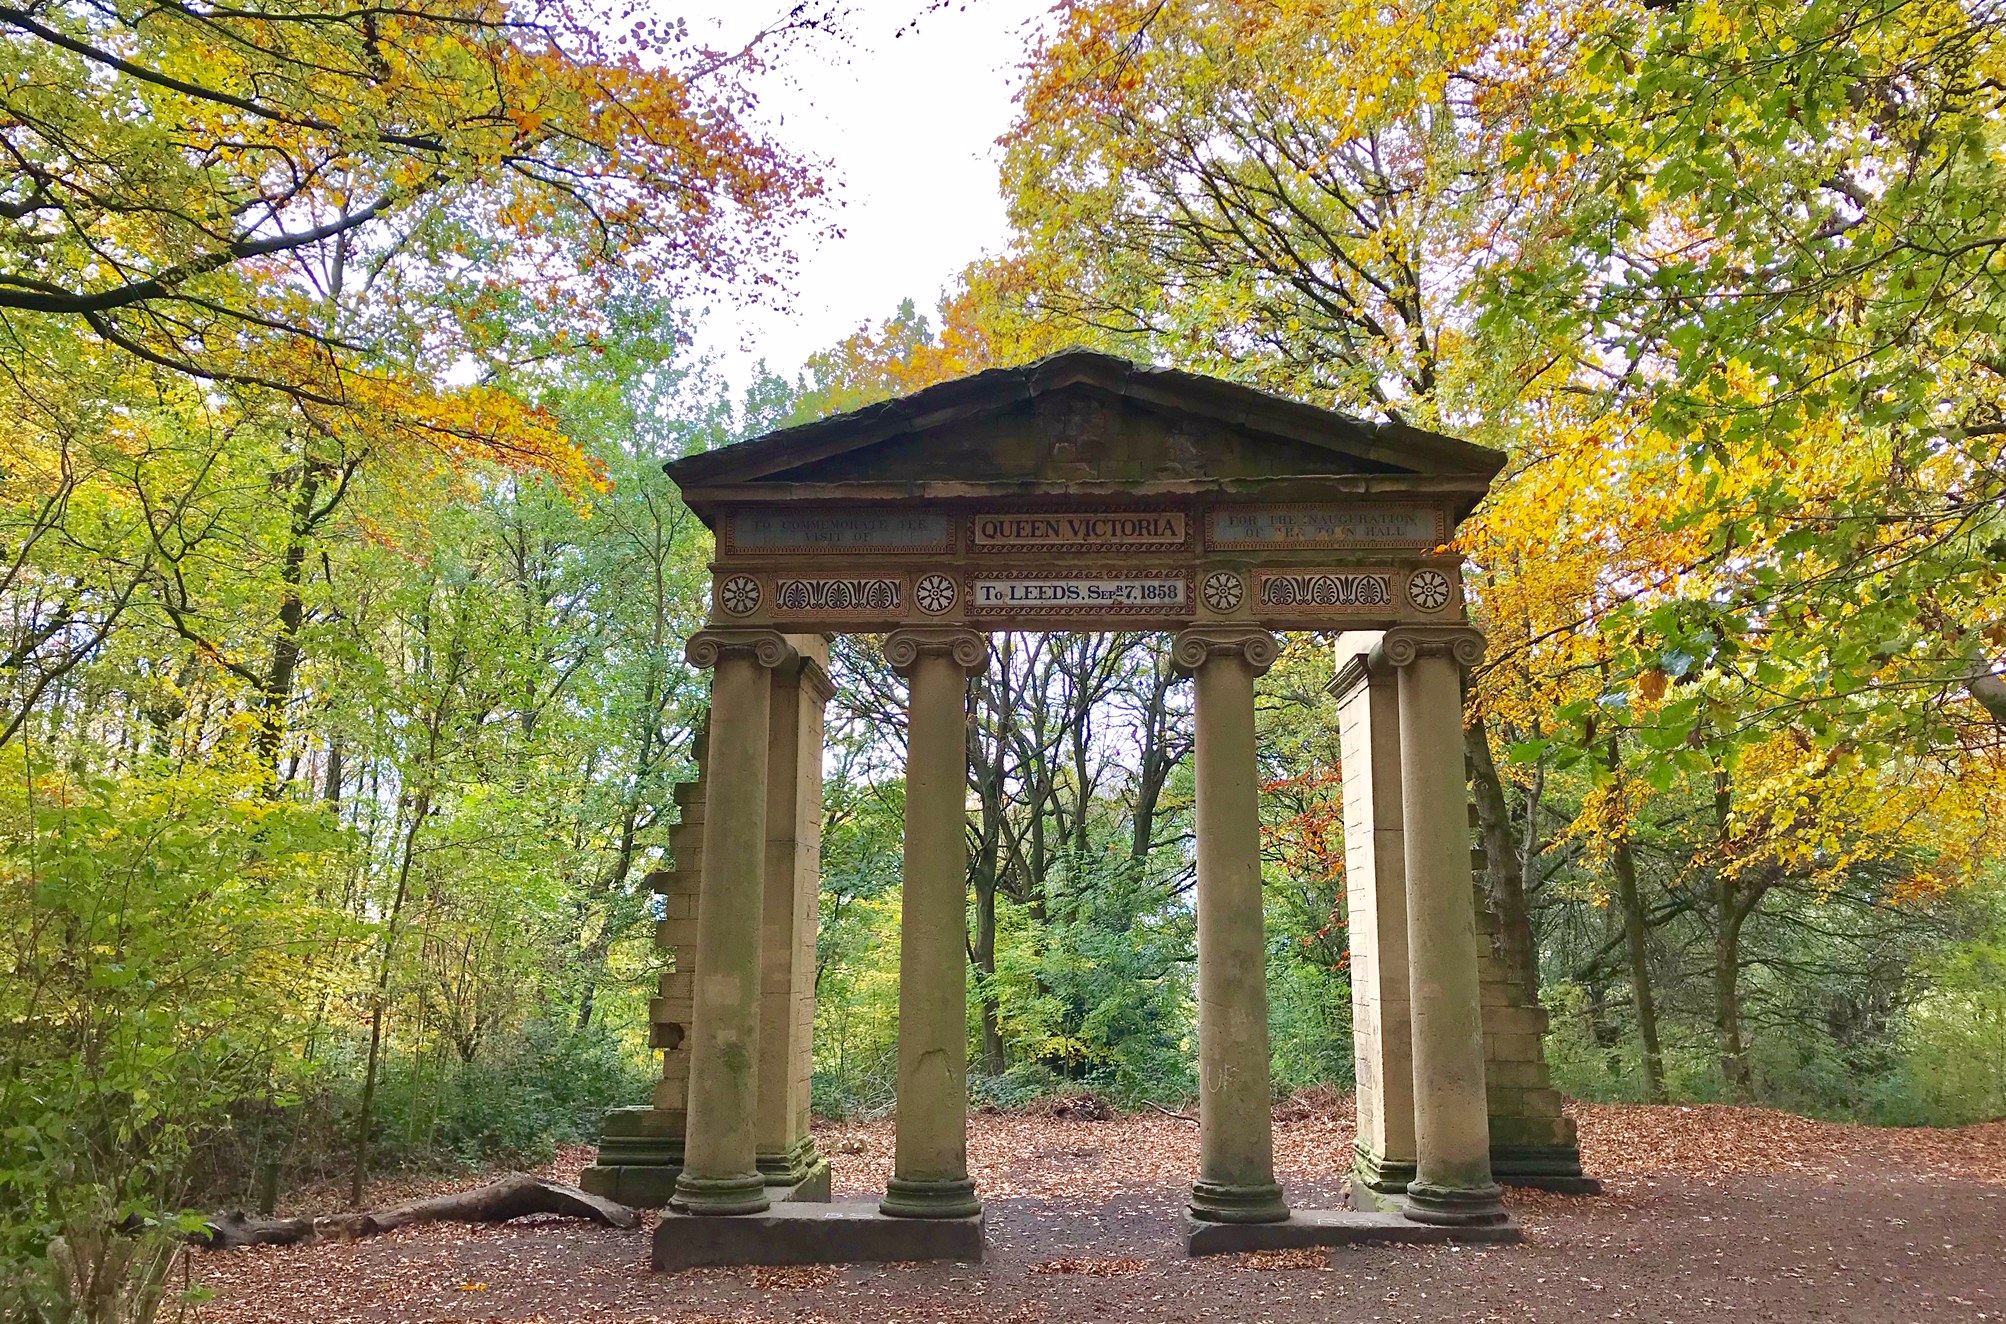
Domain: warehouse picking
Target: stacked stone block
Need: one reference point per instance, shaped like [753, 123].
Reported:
[641, 1149]
[1533, 1141]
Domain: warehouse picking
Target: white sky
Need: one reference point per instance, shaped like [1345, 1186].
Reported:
[907, 126]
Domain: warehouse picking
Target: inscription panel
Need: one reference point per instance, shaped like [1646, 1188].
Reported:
[1323, 526]
[1108, 593]
[1092, 530]
[859, 530]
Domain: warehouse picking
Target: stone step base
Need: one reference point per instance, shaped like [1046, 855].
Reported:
[847, 1232]
[1308, 1229]
[1555, 1168]
[650, 1185]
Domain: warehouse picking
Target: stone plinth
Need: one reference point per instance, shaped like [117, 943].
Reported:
[847, 1232]
[640, 1157]
[1307, 1229]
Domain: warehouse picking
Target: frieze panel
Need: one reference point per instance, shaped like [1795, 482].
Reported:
[874, 596]
[1092, 530]
[838, 530]
[1323, 526]
[1323, 590]
[1104, 593]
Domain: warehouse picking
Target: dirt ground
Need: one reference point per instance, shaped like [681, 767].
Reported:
[1710, 1214]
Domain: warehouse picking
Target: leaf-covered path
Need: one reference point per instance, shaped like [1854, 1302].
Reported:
[1711, 1214]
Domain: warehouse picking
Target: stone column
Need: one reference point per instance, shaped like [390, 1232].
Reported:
[930, 1164]
[720, 1169]
[787, 1154]
[1452, 1184]
[1375, 869]
[1236, 1151]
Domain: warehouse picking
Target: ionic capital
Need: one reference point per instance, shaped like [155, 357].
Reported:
[1193, 648]
[969, 650]
[1404, 644]
[769, 648]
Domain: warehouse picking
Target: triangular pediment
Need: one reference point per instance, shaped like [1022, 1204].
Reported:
[1081, 418]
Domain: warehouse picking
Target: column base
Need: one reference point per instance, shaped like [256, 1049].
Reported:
[1221, 1202]
[791, 1167]
[952, 1197]
[1455, 1206]
[740, 1193]
[1384, 1176]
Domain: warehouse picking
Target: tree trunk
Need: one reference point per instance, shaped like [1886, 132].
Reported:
[985, 965]
[1504, 877]
[1734, 1066]
[275, 692]
[985, 862]
[985, 865]
[364, 1114]
[1158, 758]
[1635, 930]
[499, 1201]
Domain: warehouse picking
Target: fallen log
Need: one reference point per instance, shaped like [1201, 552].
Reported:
[513, 1196]
[236, 1228]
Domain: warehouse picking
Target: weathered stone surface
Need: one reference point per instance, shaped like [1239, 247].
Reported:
[1549, 1167]
[848, 1232]
[1310, 1228]
[639, 1186]
[1376, 895]
[1236, 1160]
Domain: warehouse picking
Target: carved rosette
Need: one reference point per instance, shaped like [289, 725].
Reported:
[904, 648]
[935, 594]
[738, 595]
[1192, 649]
[1403, 644]
[1224, 591]
[1429, 589]
[769, 648]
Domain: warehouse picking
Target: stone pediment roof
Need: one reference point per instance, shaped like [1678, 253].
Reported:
[1081, 422]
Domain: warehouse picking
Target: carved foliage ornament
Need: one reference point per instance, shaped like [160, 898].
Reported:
[1319, 588]
[872, 595]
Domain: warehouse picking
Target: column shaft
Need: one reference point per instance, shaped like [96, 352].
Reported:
[1375, 867]
[930, 1165]
[787, 1154]
[720, 1171]
[1452, 1183]
[1236, 1162]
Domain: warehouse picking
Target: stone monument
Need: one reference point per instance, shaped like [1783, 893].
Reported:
[1081, 492]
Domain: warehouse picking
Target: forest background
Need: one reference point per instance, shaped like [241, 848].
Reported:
[344, 597]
